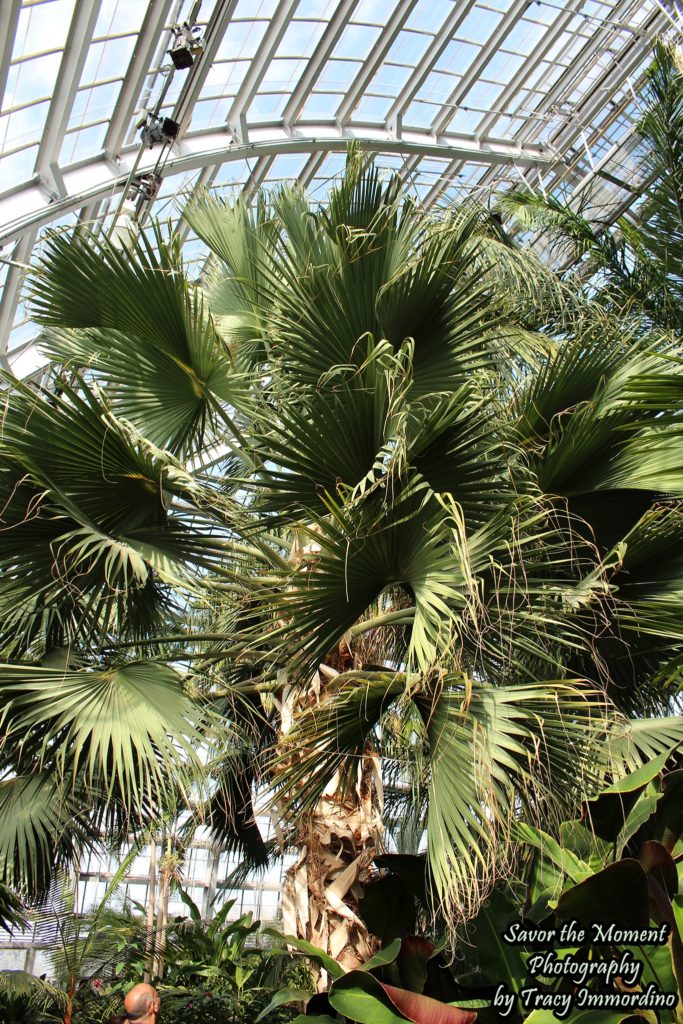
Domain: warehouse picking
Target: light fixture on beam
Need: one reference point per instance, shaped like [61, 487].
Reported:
[186, 47]
[158, 130]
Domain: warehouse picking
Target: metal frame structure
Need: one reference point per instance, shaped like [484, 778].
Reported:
[460, 96]
[206, 872]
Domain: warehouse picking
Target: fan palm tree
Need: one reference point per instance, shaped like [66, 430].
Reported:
[348, 487]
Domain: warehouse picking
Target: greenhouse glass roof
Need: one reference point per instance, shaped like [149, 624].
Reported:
[460, 96]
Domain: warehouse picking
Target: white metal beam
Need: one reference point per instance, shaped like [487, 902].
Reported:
[204, 181]
[89, 213]
[567, 82]
[612, 80]
[9, 19]
[523, 75]
[440, 186]
[68, 78]
[605, 161]
[426, 64]
[138, 70]
[259, 65]
[318, 60]
[257, 175]
[97, 178]
[378, 54]
[311, 168]
[213, 37]
[11, 293]
[409, 167]
[473, 74]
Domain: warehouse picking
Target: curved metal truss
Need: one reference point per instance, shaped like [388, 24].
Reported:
[460, 96]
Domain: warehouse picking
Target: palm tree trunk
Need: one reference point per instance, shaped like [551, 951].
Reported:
[337, 844]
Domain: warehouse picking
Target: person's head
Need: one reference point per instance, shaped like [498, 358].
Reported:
[142, 1004]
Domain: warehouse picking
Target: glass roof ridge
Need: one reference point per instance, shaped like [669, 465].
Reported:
[456, 95]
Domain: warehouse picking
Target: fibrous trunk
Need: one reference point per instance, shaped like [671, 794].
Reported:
[337, 842]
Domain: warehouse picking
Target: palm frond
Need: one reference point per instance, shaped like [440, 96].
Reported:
[43, 828]
[132, 316]
[89, 539]
[491, 752]
[129, 729]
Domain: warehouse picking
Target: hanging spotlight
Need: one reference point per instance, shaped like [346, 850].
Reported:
[156, 129]
[186, 47]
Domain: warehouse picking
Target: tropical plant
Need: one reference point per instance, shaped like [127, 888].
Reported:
[365, 507]
[628, 840]
[619, 867]
[217, 946]
[364, 995]
[224, 970]
[631, 263]
[25, 999]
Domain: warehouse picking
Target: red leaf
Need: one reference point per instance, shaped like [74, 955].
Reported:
[424, 1010]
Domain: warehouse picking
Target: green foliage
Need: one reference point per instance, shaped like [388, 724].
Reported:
[628, 879]
[410, 978]
[215, 948]
[367, 995]
[220, 970]
[348, 447]
[211, 1003]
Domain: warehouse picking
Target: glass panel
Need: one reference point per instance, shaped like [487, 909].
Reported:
[374, 11]
[505, 127]
[357, 41]
[301, 37]
[457, 56]
[43, 28]
[287, 166]
[465, 122]
[482, 96]
[231, 174]
[390, 79]
[241, 39]
[478, 25]
[503, 66]
[283, 74]
[338, 74]
[421, 112]
[107, 59]
[267, 106]
[255, 9]
[523, 36]
[93, 104]
[23, 126]
[117, 16]
[437, 87]
[209, 112]
[373, 109]
[31, 80]
[409, 47]
[319, 8]
[428, 16]
[322, 105]
[78, 145]
[17, 167]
